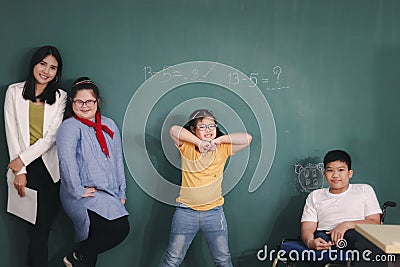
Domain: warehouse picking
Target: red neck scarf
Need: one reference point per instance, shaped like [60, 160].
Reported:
[98, 128]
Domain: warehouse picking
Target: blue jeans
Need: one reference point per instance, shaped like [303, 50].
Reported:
[350, 236]
[185, 225]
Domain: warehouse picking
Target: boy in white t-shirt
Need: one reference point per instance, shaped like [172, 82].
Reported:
[330, 214]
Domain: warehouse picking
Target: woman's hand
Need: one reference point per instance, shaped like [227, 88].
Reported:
[16, 165]
[89, 192]
[20, 184]
[123, 200]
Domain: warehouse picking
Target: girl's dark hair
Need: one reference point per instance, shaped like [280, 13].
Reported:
[200, 114]
[337, 155]
[82, 83]
[49, 93]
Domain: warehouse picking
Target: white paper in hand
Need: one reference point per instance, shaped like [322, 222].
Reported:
[23, 207]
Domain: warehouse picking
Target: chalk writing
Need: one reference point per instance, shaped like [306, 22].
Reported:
[234, 78]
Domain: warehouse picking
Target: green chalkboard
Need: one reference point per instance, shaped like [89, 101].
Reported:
[302, 77]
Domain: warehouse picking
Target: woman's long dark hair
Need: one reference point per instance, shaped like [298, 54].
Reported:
[49, 93]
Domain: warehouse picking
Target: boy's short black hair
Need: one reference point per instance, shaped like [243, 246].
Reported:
[337, 155]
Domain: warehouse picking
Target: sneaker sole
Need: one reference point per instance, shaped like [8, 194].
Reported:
[67, 263]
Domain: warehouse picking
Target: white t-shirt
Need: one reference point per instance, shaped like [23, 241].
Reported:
[329, 210]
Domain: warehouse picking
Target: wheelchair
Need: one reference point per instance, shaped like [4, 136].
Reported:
[293, 248]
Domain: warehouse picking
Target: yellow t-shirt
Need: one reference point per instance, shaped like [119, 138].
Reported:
[202, 176]
[36, 117]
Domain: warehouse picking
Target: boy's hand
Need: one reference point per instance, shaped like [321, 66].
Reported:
[338, 232]
[318, 244]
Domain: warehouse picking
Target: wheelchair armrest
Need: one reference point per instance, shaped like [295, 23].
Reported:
[384, 207]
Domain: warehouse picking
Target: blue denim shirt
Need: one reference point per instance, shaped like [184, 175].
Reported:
[83, 164]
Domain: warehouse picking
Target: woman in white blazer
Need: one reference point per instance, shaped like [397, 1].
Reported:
[33, 111]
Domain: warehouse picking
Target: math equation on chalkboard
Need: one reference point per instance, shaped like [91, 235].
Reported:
[272, 83]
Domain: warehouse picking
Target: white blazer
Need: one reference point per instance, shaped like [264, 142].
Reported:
[16, 117]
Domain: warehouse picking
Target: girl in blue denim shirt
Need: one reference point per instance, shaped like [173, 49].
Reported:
[93, 184]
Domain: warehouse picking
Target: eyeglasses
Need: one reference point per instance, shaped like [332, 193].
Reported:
[203, 127]
[88, 103]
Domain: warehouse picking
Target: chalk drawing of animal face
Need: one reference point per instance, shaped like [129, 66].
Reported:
[311, 176]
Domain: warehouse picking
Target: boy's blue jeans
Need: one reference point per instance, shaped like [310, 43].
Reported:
[350, 236]
[185, 225]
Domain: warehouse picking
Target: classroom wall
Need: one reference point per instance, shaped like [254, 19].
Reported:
[303, 77]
